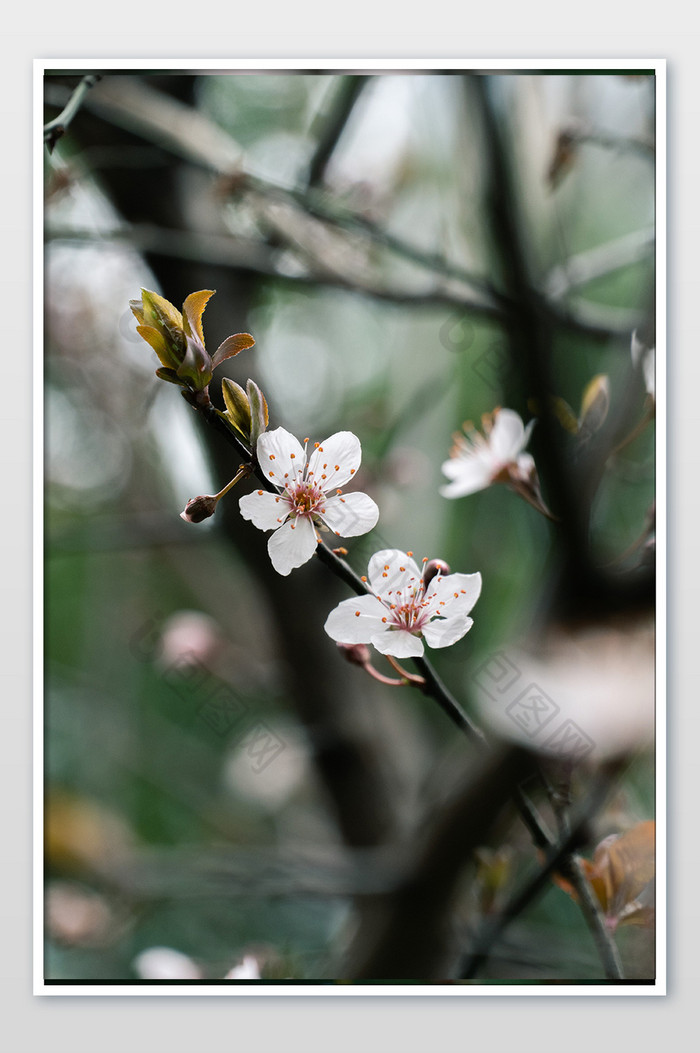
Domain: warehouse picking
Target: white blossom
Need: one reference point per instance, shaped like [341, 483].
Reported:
[165, 963]
[646, 358]
[309, 495]
[477, 460]
[402, 610]
[247, 969]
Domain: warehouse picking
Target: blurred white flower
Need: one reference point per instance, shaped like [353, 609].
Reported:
[645, 357]
[76, 915]
[164, 963]
[189, 637]
[246, 969]
[583, 696]
[477, 460]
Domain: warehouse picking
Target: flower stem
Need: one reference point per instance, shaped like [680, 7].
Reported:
[244, 470]
[419, 681]
[369, 668]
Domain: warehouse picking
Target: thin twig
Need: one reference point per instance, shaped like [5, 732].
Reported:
[58, 126]
[560, 859]
[590, 907]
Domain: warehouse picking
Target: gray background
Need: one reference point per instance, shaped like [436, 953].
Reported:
[543, 29]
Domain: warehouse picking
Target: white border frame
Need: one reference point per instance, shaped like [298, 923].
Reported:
[321, 989]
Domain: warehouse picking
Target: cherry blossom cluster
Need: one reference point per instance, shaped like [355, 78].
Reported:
[303, 493]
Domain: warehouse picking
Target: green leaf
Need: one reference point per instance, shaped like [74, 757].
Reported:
[157, 308]
[259, 415]
[193, 309]
[237, 407]
[155, 338]
[564, 414]
[169, 375]
[231, 346]
[595, 404]
[195, 367]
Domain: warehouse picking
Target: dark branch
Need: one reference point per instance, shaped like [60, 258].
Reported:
[351, 88]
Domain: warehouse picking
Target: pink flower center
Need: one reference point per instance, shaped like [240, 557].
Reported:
[412, 614]
[305, 498]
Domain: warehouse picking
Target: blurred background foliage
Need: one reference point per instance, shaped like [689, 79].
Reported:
[343, 239]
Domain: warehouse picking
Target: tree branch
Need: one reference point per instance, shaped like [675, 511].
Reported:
[351, 87]
[560, 858]
[181, 130]
[59, 125]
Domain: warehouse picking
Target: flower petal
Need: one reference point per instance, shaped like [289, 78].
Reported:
[350, 516]
[264, 510]
[346, 625]
[335, 460]
[454, 594]
[292, 545]
[398, 643]
[468, 474]
[391, 570]
[280, 455]
[507, 437]
[441, 632]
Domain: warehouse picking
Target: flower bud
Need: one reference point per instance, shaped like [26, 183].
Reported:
[432, 569]
[198, 509]
[356, 654]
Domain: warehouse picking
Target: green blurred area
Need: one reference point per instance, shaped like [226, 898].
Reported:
[146, 752]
